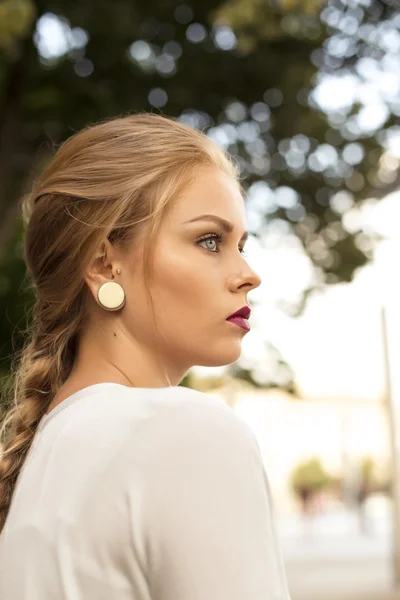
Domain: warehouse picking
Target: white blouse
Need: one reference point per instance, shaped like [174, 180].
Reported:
[142, 494]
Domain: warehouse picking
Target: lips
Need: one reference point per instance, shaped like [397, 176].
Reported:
[243, 312]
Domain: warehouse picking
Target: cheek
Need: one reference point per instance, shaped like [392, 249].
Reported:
[180, 286]
[174, 284]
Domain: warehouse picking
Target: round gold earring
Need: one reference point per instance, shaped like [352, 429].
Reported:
[111, 295]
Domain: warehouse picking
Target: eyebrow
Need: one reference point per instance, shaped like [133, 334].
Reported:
[226, 225]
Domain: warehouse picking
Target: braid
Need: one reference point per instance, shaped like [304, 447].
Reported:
[36, 381]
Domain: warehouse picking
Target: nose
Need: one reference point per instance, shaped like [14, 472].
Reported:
[247, 278]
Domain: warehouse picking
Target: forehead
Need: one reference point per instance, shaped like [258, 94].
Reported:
[212, 191]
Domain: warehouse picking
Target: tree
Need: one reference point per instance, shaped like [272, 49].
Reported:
[245, 72]
[308, 479]
[369, 483]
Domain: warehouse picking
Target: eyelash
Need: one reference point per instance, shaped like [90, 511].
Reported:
[219, 237]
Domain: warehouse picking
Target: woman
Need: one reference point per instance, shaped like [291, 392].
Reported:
[116, 482]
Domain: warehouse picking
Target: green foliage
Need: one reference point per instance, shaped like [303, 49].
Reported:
[16, 300]
[243, 71]
[186, 381]
[128, 56]
[309, 477]
[16, 19]
[371, 481]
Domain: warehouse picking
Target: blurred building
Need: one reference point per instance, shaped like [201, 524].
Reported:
[291, 430]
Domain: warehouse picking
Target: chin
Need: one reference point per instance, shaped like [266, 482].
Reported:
[222, 358]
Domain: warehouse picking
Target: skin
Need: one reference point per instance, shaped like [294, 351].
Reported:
[195, 287]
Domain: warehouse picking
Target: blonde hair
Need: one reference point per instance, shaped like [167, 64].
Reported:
[104, 181]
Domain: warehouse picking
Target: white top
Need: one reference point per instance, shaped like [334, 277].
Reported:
[141, 494]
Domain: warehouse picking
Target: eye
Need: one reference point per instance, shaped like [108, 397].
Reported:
[217, 238]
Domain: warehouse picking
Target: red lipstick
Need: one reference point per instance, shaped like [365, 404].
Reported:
[240, 317]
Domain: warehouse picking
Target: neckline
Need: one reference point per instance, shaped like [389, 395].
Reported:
[74, 397]
[89, 389]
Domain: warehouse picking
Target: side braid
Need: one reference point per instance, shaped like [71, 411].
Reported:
[40, 374]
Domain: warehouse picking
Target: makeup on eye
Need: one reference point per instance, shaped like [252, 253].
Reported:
[223, 223]
[220, 238]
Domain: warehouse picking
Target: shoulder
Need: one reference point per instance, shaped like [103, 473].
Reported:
[194, 410]
[195, 452]
[190, 421]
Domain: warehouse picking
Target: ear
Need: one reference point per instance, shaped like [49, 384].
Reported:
[102, 267]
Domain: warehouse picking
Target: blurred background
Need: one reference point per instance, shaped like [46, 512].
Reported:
[305, 94]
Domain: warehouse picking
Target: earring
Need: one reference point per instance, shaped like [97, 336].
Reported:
[111, 295]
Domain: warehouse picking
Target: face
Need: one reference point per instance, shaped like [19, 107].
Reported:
[198, 280]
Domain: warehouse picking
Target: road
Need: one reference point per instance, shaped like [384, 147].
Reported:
[339, 569]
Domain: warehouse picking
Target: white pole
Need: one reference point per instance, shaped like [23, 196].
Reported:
[392, 417]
